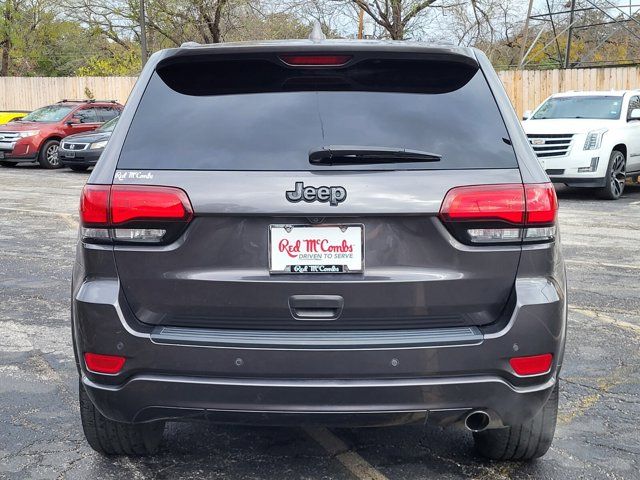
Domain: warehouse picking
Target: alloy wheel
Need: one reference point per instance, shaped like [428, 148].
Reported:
[52, 155]
[618, 174]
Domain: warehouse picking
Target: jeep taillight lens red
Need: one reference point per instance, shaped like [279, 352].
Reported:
[133, 213]
[504, 213]
[484, 202]
[532, 365]
[94, 204]
[541, 203]
[315, 60]
[148, 203]
[109, 364]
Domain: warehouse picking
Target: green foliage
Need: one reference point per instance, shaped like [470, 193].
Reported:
[118, 62]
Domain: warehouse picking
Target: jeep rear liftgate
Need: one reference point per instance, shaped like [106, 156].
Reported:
[414, 273]
[315, 185]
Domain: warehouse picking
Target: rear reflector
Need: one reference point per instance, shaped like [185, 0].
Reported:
[109, 364]
[533, 365]
[486, 214]
[315, 60]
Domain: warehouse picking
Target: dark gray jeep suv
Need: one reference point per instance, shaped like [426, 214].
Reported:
[329, 232]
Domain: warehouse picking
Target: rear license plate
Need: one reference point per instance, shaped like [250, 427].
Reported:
[69, 154]
[316, 249]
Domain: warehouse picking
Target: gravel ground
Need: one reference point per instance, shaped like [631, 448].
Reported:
[598, 433]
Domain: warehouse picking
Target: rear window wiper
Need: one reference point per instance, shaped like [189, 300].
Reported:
[358, 155]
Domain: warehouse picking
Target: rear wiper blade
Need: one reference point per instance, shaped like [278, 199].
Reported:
[357, 155]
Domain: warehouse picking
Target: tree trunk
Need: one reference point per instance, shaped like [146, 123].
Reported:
[217, 37]
[6, 42]
[397, 27]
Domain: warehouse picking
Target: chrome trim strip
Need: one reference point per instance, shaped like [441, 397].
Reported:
[318, 340]
[328, 383]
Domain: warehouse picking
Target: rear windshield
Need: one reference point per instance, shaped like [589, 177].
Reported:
[261, 115]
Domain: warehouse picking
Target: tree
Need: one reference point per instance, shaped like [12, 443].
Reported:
[119, 62]
[394, 16]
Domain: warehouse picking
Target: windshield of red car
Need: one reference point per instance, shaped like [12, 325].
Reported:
[52, 113]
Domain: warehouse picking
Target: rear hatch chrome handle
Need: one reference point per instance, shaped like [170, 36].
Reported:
[316, 307]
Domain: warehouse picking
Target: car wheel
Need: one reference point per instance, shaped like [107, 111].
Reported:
[48, 157]
[8, 164]
[108, 437]
[616, 176]
[78, 168]
[524, 441]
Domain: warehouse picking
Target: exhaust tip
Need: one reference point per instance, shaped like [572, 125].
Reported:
[477, 421]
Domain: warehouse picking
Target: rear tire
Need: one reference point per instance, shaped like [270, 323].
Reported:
[78, 168]
[615, 177]
[6, 163]
[524, 441]
[116, 438]
[48, 157]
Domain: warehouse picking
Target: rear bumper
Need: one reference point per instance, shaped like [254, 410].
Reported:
[228, 380]
[321, 401]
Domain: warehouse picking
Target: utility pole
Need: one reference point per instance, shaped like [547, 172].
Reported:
[567, 52]
[143, 34]
[361, 24]
[523, 47]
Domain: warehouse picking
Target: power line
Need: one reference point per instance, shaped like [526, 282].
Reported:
[612, 19]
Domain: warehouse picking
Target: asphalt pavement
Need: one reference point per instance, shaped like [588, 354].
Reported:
[598, 434]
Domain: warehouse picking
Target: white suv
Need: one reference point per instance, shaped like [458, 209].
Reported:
[588, 139]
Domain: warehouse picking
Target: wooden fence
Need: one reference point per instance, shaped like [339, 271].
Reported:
[525, 88]
[528, 88]
[28, 93]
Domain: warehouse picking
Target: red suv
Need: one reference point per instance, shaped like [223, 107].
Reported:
[36, 137]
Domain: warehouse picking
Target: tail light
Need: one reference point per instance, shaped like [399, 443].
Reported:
[315, 60]
[533, 365]
[133, 213]
[109, 364]
[501, 214]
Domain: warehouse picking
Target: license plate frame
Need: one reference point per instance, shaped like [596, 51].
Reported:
[313, 266]
[69, 154]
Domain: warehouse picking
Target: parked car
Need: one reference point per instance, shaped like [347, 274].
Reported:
[36, 137]
[82, 150]
[357, 233]
[10, 116]
[588, 139]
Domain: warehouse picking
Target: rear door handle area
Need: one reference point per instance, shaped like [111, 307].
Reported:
[316, 307]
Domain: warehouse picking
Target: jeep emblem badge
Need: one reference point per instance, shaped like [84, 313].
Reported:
[334, 195]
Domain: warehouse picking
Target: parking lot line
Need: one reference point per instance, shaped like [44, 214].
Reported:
[66, 217]
[603, 317]
[602, 264]
[353, 462]
[603, 387]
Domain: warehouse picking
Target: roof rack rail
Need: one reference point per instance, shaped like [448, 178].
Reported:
[92, 100]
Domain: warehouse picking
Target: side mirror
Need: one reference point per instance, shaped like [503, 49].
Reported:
[526, 115]
[73, 121]
[635, 114]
